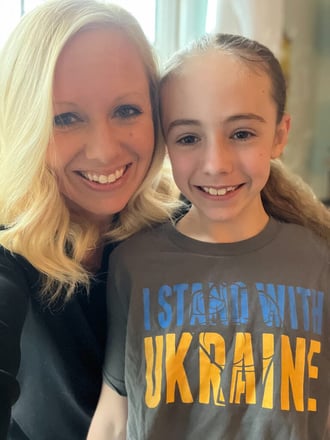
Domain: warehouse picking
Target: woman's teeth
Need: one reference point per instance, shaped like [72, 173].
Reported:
[102, 178]
[218, 191]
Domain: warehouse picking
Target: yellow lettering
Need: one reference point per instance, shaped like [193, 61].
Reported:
[313, 372]
[210, 369]
[243, 373]
[175, 372]
[153, 370]
[268, 370]
[292, 373]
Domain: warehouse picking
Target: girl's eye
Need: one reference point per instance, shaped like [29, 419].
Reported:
[243, 135]
[127, 111]
[66, 119]
[188, 139]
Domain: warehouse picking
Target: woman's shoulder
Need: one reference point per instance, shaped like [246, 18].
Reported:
[16, 270]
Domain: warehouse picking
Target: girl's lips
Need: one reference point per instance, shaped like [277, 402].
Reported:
[219, 191]
[213, 191]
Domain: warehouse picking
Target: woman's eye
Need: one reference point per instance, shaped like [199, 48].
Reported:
[127, 111]
[242, 135]
[65, 120]
[188, 139]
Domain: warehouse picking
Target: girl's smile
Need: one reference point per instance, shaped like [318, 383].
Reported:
[219, 121]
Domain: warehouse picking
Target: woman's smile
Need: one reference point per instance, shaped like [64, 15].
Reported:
[103, 125]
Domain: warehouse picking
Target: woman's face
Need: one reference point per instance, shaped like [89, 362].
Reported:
[103, 128]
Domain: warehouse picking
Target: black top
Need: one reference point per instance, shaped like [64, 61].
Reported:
[50, 360]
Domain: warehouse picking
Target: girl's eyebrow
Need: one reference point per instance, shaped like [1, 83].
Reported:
[233, 118]
[250, 116]
[178, 122]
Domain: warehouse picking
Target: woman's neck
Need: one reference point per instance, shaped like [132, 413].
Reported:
[93, 259]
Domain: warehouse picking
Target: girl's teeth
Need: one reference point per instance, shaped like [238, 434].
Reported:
[218, 192]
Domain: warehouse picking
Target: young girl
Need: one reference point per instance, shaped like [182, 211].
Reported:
[218, 324]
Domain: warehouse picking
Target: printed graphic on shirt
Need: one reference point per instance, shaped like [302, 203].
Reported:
[272, 367]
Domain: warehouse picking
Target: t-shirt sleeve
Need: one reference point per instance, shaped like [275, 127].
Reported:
[14, 291]
[117, 308]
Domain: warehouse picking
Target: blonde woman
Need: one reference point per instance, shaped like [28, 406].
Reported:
[79, 169]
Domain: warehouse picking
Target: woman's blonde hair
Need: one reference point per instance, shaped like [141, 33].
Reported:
[286, 196]
[36, 222]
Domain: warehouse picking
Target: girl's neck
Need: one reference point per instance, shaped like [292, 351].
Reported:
[194, 226]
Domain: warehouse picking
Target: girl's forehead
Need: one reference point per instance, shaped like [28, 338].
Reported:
[218, 85]
[217, 60]
[220, 69]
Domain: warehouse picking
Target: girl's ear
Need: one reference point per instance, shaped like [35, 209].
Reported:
[281, 136]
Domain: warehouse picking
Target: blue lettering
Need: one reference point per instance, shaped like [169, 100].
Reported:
[293, 307]
[317, 309]
[272, 300]
[146, 308]
[180, 290]
[239, 296]
[305, 294]
[197, 305]
[164, 318]
[218, 304]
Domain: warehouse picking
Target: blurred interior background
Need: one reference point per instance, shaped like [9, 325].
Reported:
[297, 31]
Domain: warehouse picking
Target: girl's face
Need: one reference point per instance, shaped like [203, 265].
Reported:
[219, 122]
[103, 129]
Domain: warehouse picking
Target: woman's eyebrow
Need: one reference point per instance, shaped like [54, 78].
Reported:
[65, 103]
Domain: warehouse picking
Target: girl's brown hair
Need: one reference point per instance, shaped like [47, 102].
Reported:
[286, 196]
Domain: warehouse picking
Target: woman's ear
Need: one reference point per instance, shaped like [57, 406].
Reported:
[281, 136]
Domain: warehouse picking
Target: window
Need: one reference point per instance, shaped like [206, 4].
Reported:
[168, 24]
[144, 11]
[11, 11]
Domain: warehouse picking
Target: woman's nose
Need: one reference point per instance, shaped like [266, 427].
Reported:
[103, 142]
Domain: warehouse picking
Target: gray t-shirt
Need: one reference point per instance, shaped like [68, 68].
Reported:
[221, 341]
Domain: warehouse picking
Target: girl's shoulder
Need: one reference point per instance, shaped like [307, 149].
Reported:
[304, 241]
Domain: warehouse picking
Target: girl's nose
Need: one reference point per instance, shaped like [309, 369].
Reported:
[217, 157]
[103, 143]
